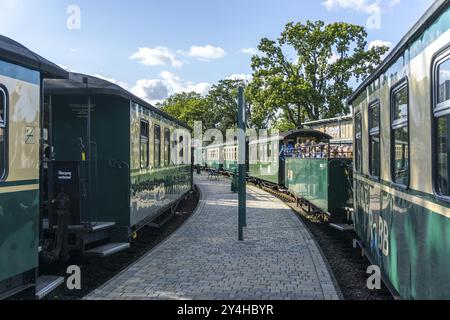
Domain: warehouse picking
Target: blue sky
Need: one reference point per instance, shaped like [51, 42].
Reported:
[158, 47]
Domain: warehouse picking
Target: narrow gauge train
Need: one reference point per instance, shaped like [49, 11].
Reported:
[221, 156]
[314, 170]
[21, 94]
[84, 165]
[122, 162]
[401, 162]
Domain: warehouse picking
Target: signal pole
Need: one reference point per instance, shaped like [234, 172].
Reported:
[242, 167]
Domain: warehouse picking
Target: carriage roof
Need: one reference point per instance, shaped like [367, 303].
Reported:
[298, 133]
[75, 84]
[424, 22]
[16, 53]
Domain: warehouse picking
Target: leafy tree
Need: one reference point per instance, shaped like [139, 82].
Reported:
[282, 124]
[223, 101]
[315, 84]
[189, 107]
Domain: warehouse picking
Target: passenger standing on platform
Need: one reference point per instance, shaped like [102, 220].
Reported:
[284, 150]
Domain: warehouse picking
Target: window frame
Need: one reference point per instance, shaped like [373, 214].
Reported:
[4, 92]
[358, 136]
[141, 122]
[167, 144]
[395, 125]
[181, 152]
[156, 162]
[374, 132]
[437, 111]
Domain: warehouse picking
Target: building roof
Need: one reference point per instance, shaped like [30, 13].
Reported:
[16, 53]
[82, 84]
[330, 120]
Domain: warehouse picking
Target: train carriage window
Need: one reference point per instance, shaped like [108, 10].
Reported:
[374, 139]
[157, 152]
[400, 136]
[166, 147]
[358, 143]
[442, 128]
[145, 143]
[3, 134]
[181, 153]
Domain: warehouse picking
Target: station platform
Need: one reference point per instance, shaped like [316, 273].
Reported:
[203, 260]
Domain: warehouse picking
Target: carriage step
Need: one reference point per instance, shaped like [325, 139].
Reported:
[97, 226]
[47, 284]
[106, 250]
[94, 227]
[342, 227]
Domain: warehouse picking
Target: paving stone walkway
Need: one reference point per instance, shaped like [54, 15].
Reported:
[204, 261]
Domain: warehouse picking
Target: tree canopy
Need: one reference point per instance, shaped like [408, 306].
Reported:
[188, 107]
[305, 75]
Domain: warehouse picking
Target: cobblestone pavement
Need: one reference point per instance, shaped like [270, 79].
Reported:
[204, 261]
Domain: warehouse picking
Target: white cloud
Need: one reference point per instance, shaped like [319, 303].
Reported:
[250, 51]
[157, 90]
[366, 6]
[176, 85]
[359, 5]
[240, 76]
[151, 90]
[159, 56]
[379, 43]
[206, 53]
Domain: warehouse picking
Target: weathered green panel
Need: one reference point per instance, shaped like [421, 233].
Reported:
[339, 184]
[308, 178]
[266, 171]
[230, 165]
[19, 232]
[111, 159]
[410, 243]
[110, 150]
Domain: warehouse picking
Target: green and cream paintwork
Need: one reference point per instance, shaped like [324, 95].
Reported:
[126, 194]
[19, 192]
[264, 159]
[155, 188]
[325, 183]
[406, 231]
[221, 156]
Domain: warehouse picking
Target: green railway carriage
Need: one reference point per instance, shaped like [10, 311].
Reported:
[230, 157]
[324, 183]
[320, 179]
[264, 160]
[221, 156]
[402, 154]
[21, 76]
[123, 162]
[214, 156]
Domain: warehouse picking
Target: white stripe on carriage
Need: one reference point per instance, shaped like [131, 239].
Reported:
[441, 210]
[14, 189]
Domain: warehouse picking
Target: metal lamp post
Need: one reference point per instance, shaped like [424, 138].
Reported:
[242, 167]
